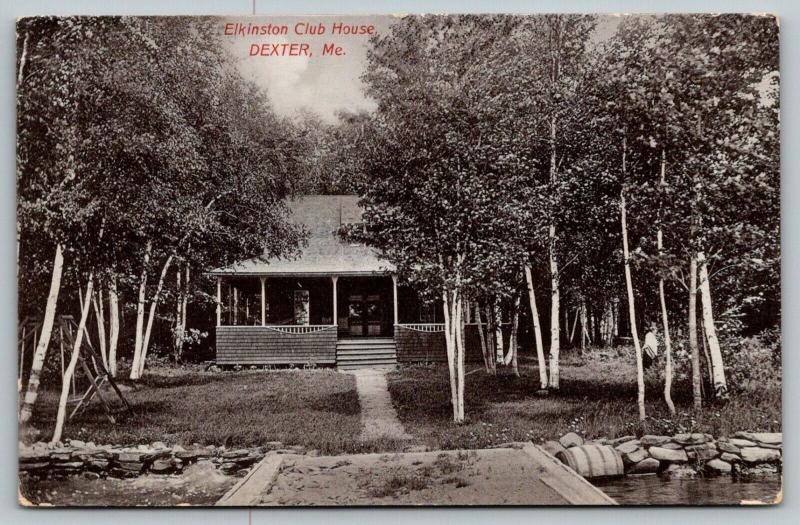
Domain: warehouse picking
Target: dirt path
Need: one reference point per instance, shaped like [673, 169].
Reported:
[377, 413]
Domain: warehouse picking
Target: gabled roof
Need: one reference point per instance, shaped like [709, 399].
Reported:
[325, 253]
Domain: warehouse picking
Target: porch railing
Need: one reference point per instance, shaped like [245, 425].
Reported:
[289, 328]
[423, 327]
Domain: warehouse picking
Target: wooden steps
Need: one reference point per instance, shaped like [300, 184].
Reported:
[352, 354]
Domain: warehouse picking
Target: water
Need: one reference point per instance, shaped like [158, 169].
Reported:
[652, 490]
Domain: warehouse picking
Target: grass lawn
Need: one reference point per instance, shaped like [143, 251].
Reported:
[318, 409]
[597, 399]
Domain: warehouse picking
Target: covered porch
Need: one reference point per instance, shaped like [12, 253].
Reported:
[299, 319]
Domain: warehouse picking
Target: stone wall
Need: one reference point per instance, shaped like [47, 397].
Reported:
[688, 455]
[96, 461]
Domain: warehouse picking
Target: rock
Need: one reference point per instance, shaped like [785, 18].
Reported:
[669, 455]
[672, 446]
[240, 453]
[636, 456]
[739, 442]
[621, 440]
[122, 473]
[773, 447]
[760, 455]
[178, 448]
[571, 439]
[273, 445]
[650, 440]
[769, 438]
[158, 444]
[730, 458]
[60, 454]
[189, 456]
[128, 457]
[313, 452]
[161, 466]
[758, 471]
[690, 439]
[91, 475]
[229, 468]
[542, 392]
[97, 465]
[283, 451]
[130, 466]
[553, 447]
[703, 452]
[678, 472]
[645, 466]
[34, 466]
[718, 466]
[628, 446]
[76, 443]
[726, 446]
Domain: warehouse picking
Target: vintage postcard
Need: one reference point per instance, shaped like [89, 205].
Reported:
[399, 260]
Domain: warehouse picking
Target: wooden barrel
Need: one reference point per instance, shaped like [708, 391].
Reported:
[593, 461]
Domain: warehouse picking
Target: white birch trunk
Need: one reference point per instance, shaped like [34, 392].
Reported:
[498, 332]
[44, 338]
[140, 304]
[450, 344]
[697, 393]
[554, 319]
[511, 357]
[717, 365]
[632, 307]
[459, 337]
[537, 329]
[152, 314]
[97, 304]
[113, 322]
[68, 373]
[668, 373]
[485, 351]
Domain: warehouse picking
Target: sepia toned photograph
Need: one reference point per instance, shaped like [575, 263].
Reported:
[398, 260]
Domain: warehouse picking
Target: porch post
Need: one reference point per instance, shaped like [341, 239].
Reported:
[394, 296]
[334, 279]
[263, 302]
[219, 301]
[235, 305]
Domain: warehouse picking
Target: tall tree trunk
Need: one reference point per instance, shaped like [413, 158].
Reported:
[178, 333]
[717, 366]
[152, 314]
[140, 304]
[185, 305]
[629, 286]
[511, 357]
[113, 322]
[452, 336]
[668, 373]
[667, 337]
[554, 319]
[460, 352]
[40, 353]
[97, 304]
[68, 373]
[488, 362]
[498, 331]
[697, 393]
[537, 329]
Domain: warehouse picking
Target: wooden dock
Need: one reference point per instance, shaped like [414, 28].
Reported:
[524, 474]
